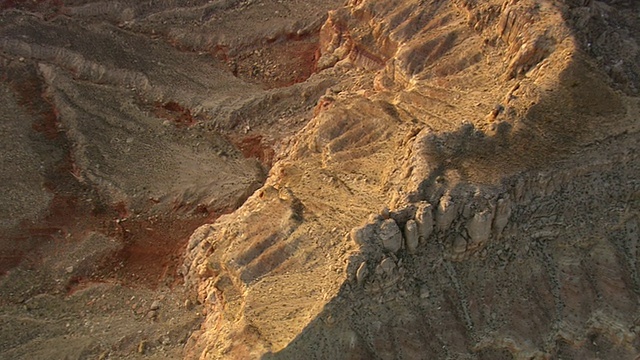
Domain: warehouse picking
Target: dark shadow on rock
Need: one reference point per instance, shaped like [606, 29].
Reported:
[514, 300]
[423, 317]
[580, 110]
[608, 30]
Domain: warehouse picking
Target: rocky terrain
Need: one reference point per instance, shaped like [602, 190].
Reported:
[286, 179]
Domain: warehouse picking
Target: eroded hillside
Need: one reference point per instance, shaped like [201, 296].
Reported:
[506, 158]
[400, 179]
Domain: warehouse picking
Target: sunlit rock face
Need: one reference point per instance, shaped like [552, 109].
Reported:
[499, 189]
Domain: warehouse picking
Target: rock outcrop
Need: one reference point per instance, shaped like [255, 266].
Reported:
[412, 240]
[485, 214]
[390, 236]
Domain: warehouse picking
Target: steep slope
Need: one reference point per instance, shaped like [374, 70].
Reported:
[509, 164]
[128, 125]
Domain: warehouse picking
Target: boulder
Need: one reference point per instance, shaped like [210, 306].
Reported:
[390, 235]
[503, 212]
[424, 220]
[445, 213]
[411, 236]
[479, 228]
[459, 248]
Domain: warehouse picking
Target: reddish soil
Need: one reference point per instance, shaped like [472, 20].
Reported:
[324, 104]
[30, 93]
[27, 86]
[301, 55]
[255, 147]
[279, 63]
[153, 246]
[175, 113]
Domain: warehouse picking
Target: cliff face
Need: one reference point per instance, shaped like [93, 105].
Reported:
[377, 179]
[468, 190]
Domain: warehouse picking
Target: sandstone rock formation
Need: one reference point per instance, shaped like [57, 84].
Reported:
[499, 205]
[411, 236]
[390, 236]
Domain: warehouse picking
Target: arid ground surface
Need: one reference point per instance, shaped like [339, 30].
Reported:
[289, 179]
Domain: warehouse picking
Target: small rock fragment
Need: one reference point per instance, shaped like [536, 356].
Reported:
[388, 265]
[142, 347]
[411, 236]
[497, 110]
[424, 292]
[459, 245]
[155, 305]
[165, 340]
[330, 320]
[362, 272]
[385, 213]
